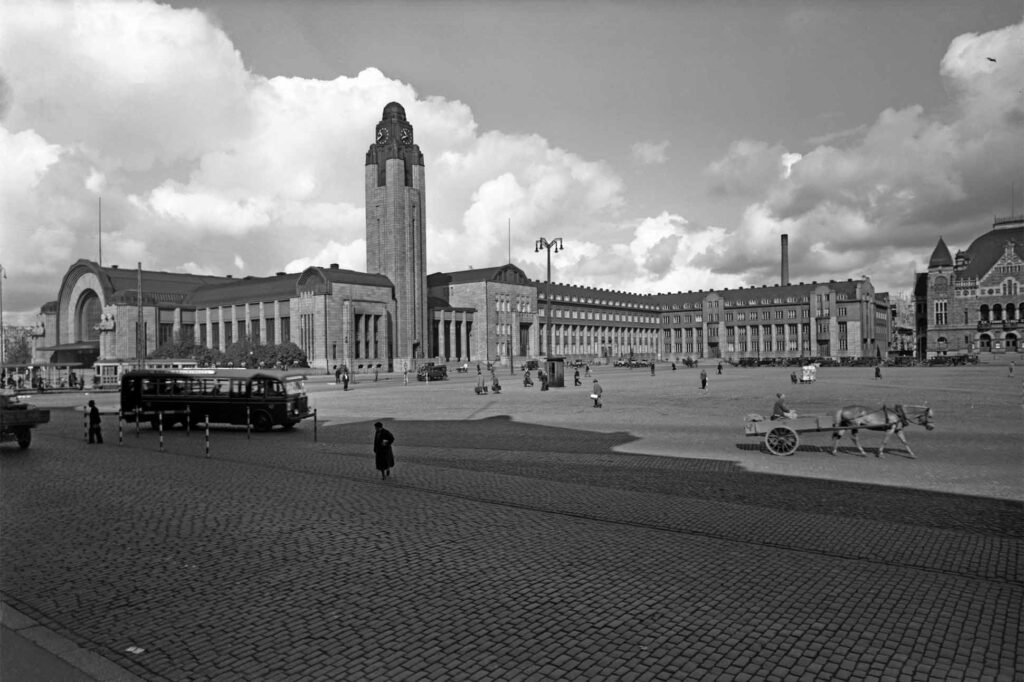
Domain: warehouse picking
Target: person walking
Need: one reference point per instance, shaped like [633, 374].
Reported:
[576, 378]
[719, 366]
[344, 380]
[878, 371]
[383, 453]
[337, 374]
[95, 433]
[596, 392]
[704, 380]
[1012, 364]
[652, 368]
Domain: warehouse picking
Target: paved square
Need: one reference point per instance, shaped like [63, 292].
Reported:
[529, 536]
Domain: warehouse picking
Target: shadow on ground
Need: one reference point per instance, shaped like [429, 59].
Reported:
[501, 445]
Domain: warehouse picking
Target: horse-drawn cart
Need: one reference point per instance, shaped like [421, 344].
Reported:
[781, 436]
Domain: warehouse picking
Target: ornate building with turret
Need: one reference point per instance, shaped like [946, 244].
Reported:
[971, 303]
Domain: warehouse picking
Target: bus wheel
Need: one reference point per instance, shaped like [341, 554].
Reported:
[261, 421]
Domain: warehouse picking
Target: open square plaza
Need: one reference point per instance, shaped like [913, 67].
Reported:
[528, 535]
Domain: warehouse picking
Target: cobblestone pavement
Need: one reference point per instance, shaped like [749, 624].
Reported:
[281, 558]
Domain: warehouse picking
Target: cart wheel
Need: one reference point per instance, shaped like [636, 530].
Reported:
[782, 441]
[24, 436]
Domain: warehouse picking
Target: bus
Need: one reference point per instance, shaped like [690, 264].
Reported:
[263, 398]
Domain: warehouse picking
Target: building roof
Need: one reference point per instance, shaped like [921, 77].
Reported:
[941, 258]
[245, 290]
[502, 273]
[987, 249]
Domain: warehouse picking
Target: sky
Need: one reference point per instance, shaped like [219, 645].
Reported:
[669, 144]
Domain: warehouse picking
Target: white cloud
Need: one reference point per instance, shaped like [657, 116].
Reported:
[862, 207]
[650, 153]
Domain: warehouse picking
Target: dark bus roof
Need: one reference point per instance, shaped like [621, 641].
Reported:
[219, 372]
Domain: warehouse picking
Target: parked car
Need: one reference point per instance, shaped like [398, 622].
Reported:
[432, 373]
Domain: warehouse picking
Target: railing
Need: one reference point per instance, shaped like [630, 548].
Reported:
[1010, 325]
[984, 325]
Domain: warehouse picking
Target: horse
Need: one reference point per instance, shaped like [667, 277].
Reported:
[891, 420]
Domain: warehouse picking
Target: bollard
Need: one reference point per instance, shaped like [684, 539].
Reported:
[207, 435]
[248, 425]
[188, 421]
[85, 424]
[160, 419]
[137, 422]
[120, 428]
[314, 426]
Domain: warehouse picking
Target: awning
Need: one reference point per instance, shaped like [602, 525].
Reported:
[78, 353]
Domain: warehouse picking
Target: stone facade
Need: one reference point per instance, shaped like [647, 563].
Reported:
[396, 228]
[972, 304]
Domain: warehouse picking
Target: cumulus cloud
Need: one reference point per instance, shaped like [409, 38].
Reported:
[196, 158]
[863, 206]
[650, 153]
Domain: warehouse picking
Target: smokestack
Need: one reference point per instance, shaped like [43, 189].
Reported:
[785, 260]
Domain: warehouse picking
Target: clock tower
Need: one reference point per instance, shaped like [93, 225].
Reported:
[396, 230]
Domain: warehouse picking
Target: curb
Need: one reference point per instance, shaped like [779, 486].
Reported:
[87, 662]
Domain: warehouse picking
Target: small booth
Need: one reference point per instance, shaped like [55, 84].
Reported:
[555, 367]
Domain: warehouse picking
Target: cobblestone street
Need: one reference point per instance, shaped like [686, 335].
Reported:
[283, 558]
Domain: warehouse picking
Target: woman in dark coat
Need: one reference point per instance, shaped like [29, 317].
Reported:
[383, 454]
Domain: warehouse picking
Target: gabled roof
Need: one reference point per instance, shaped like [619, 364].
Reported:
[985, 251]
[941, 258]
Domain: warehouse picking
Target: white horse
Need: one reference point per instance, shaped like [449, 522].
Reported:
[891, 420]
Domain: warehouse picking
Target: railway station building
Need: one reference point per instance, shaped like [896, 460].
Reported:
[395, 316]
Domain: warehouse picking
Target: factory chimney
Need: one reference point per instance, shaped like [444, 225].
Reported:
[785, 260]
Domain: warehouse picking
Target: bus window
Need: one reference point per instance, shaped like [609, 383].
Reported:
[276, 389]
[294, 386]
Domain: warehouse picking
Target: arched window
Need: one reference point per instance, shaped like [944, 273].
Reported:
[87, 317]
[997, 312]
[984, 313]
[1011, 311]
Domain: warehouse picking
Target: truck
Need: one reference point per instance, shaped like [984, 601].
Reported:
[17, 419]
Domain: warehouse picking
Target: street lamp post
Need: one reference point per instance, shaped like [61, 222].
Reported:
[543, 243]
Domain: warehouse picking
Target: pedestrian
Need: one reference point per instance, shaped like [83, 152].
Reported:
[595, 393]
[344, 380]
[652, 368]
[543, 379]
[878, 371]
[587, 368]
[673, 366]
[337, 374]
[576, 378]
[719, 366]
[704, 380]
[405, 376]
[95, 434]
[383, 453]
[1012, 363]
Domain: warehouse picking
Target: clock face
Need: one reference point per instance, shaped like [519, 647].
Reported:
[406, 136]
[382, 135]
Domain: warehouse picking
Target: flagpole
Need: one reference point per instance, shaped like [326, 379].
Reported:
[100, 229]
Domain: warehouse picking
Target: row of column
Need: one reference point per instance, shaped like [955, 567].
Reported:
[452, 337]
[618, 340]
